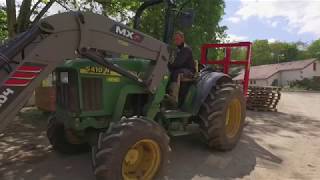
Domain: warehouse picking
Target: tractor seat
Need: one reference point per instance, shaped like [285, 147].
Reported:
[186, 78]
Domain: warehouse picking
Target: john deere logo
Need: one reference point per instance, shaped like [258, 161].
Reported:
[128, 33]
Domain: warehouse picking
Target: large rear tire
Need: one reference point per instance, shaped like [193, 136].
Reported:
[222, 117]
[56, 134]
[133, 149]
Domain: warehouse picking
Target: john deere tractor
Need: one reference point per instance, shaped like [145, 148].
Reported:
[116, 106]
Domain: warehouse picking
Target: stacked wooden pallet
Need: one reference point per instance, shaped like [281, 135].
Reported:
[263, 98]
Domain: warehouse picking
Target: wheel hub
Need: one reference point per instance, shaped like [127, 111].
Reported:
[132, 157]
[142, 161]
[233, 118]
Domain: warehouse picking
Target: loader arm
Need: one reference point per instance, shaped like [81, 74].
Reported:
[27, 60]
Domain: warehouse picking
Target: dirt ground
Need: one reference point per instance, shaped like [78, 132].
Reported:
[275, 145]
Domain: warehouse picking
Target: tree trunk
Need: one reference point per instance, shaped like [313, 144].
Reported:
[12, 19]
[24, 16]
[22, 23]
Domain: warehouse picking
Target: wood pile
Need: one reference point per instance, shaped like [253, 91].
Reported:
[263, 98]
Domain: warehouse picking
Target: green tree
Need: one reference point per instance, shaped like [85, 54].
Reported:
[3, 24]
[122, 10]
[283, 52]
[83, 5]
[277, 52]
[30, 12]
[314, 49]
[261, 52]
[238, 53]
[205, 29]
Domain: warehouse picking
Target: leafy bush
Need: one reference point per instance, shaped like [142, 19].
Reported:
[308, 84]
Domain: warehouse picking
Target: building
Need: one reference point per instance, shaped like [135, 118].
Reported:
[283, 73]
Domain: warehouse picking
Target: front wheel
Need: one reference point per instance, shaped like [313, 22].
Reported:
[134, 149]
[222, 117]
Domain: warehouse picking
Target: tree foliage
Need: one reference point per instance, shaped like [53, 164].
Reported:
[307, 84]
[314, 49]
[3, 24]
[29, 12]
[205, 29]
[283, 52]
[269, 53]
[16, 18]
[261, 52]
[121, 10]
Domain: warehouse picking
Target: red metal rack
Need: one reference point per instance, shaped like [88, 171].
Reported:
[226, 62]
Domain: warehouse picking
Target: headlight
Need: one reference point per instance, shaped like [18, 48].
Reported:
[64, 77]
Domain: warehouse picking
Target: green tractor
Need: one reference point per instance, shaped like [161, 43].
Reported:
[127, 127]
[116, 106]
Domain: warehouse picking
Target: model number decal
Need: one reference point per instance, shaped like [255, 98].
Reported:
[4, 96]
[122, 31]
[95, 70]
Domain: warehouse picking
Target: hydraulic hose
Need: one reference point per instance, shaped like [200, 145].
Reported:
[9, 50]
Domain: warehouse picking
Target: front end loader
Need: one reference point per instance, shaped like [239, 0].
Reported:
[117, 107]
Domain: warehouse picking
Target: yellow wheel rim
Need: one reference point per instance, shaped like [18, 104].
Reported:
[142, 161]
[233, 118]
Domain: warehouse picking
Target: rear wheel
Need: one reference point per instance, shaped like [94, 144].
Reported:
[57, 136]
[222, 117]
[133, 150]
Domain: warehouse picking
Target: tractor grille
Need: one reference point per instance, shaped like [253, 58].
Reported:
[92, 94]
[67, 93]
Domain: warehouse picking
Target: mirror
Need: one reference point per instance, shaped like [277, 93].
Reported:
[186, 18]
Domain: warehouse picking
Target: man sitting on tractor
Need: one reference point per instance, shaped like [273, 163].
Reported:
[183, 65]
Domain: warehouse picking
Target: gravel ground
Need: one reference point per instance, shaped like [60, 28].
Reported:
[275, 145]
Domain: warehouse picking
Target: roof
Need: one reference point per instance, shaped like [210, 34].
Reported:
[266, 71]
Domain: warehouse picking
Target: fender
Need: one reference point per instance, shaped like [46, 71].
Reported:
[207, 80]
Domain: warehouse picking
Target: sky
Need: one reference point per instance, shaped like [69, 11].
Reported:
[274, 20]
